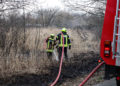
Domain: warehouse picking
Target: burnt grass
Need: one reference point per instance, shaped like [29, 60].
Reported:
[78, 65]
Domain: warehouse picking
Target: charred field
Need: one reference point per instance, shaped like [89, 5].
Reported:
[73, 72]
[26, 64]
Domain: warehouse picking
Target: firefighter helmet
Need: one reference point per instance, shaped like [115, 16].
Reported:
[52, 35]
[64, 30]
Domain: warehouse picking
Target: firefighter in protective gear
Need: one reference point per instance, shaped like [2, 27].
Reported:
[50, 46]
[67, 43]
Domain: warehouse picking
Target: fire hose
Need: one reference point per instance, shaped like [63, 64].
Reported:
[60, 67]
[93, 71]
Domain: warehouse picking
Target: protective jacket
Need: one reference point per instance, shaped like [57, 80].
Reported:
[50, 44]
[66, 39]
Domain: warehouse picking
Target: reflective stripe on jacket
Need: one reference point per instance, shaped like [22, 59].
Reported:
[66, 40]
[50, 44]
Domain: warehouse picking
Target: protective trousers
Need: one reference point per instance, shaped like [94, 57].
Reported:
[49, 54]
[60, 53]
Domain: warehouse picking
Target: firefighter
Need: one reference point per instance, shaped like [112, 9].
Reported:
[50, 46]
[67, 42]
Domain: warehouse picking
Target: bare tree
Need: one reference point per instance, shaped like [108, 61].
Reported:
[63, 19]
[12, 20]
[94, 7]
[46, 17]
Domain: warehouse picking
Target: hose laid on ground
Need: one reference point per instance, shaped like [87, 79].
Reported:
[94, 70]
[60, 67]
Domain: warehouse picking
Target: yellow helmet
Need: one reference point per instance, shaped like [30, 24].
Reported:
[52, 35]
[64, 30]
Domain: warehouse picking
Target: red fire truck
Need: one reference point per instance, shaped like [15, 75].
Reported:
[110, 40]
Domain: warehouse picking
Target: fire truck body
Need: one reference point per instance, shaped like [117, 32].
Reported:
[107, 37]
[110, 39]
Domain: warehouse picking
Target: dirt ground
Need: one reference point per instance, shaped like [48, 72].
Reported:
[73, 72]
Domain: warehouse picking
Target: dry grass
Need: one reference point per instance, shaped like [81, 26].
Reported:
[82, 40]
[36, 60]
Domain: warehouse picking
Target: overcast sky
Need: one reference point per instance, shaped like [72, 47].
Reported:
[52, 3]
[45, 4]
[56, 3]
[48, 4]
